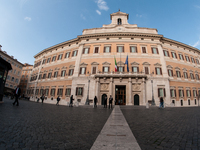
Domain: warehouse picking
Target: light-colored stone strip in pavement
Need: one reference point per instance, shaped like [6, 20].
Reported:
[116, 134]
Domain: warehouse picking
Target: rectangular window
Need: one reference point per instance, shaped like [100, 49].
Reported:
[94, 70]
[144, 50]
[18, 73]
[53, 58]
[170, 72]
[48, 60]
[161, 92]
[63, 73]
[188, 92]
[194, 93]
[172, 93]
[53, 92]
[173, 55]
[120, 49]
[74, 53]
[146, 69]
[181, 57]
[71, 71]
[49, 75]
[60, 92]
[41, 91]
[192, 76]
[154, 50]
[43, 62]
[197, 61]
[46, 92]
[133, 49]
[86, 50]
[192, 60]
[16, 80]
[37, 92]
[197, 77]
[120, 69]
[79, 91]
[187, 58]
[68, 92]
[8, 77]
[158, 71]
[96, 50]
[40, 76]
[60, 57]
[178, 74]
[82, 70]
[135, 69]
[67, 55]
[107, 49]
[166, 53]
[185, 75]
[106, 69]
[44, 75]
[55, 74]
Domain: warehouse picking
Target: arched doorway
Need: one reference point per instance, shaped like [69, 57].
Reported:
[102, 99]
[136, 99]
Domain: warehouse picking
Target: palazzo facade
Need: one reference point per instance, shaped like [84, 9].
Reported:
[85, 66]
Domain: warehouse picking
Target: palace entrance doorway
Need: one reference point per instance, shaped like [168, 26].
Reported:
[120, 95]
[136, 99]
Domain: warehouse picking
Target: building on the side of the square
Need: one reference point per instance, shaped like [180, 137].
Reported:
[85, 66]
[25, 77]
[14, 75]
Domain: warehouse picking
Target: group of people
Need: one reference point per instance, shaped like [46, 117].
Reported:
[110, 102]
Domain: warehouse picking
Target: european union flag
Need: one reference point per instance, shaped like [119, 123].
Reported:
[126, 62]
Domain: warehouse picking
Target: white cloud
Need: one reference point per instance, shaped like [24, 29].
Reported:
[98, 12]
[102, 5]
[83, 17]
[27, 18]
[138, 15]
[197, 6]
[197, 43]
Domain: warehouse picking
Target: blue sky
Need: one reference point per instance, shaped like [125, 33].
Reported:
[29, 26]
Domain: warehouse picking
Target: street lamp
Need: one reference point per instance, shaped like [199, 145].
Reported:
[153, 101]
[87, 100]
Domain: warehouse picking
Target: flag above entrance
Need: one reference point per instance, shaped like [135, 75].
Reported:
[115, 64]
[126, 62]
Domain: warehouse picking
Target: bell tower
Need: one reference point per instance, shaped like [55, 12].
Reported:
[119, 18]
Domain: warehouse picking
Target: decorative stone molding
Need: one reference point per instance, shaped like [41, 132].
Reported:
[146, 64]
[177, 68]
[83, 64]
[184, 69]
[157, 64]
[94, 63]
[120, 63]
[71, 66]
[104, 87]
[64, 67]
[106, 63]
[134, 63]
[169, 67]
[57, 68]
[50, 70]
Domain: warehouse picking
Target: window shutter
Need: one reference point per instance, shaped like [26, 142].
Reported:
[158, 92]
[130, 49]
[104, 49]
[183, 57]
[122, 48]
[156, 70]
[168, 53]
[72, 53]
[82, 92]
[69, 72]
[175, 55]
[72, 71]
[172, 54]
[61, 56]
[108, 69]
[69, 54]
[110, 49]
[190, 93]
[183, 92]
[136, 49]
[175, 93]
[168, 72]
[132, 69]
[103, 69]
[157, 50]
[137, 69]
[83, 51]
[123, 69]
[160, 71]
[65, 55]
[152, 50]
[117, 68]
[164, 52]
[117, 48]
[164, 92]
[76, 90]
[172, 72]
[85, 71]
[76, 52]
[94, 70]
[88, 50]
[80, 70]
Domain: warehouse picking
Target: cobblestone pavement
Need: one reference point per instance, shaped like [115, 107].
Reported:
[167, 129]
[32, 126]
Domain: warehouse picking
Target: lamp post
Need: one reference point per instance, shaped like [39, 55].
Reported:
[153, 101]
[87, 100]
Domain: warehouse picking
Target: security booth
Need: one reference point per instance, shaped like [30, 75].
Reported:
[4, 68]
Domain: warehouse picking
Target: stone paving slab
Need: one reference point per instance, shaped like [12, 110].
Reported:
[33, 126]
[116, 134]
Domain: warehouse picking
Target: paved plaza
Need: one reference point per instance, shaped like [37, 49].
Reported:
[32, 126]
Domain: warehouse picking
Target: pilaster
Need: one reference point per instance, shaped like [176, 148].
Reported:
[78, 60]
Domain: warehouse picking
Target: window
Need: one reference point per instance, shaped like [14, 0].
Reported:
[63, 73]
[68, 92]
[26, 76]
[53, 58]
[161, 92]
[192, 60]
[25, 81]
[154, 50]
[172, 93]
[60, 92]
[197, 76]
[82, 70]
[37, 92]
[173, 55]
[120, 49]
[12, 79]
[197, 61]
[67, 55]
[192, 76]
[11, 85]
[44, 76]
[86, 50]
[74, 53]
[22, 76]
[52, 92]
[55, 74]
[94, 70]
[18, 73]
[181, 93]
[60, 57]
[8, 77]
[49, 75]
[107, 49]
[40, 76]
[135, 69]
[120, 69]
[133, 49]
[144, 50]
[181, 57]
[44, 61]
[41, 91]
[166, 53]
[96, 50]
[188, 92]
[79, 91]
[14, 71]
[170, 72]
[48, 60]
[71, 71]
[46, 92]
[178, 74]
[194, 93]
[185, 75]
[119, 21]
[16, 80]
[158, 71]
[187, 58]
[146, 70]
[106, 69]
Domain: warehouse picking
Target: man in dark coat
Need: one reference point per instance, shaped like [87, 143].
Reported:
[105, 102]
[58, 99]
[95, 101]
[110, 101]
[17, 93]
[71, 101]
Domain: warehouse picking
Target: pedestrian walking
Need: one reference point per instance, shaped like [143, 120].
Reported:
[105, 102]
[95, 101]
[110, 101]
[42, 97]
[58, 99]
[71, 101]
[17, 93]
[161, 102]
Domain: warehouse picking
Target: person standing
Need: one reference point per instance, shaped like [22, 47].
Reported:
[58, 99]
[17, 93]
[110, 101]
[105, 102]
[161, 102]
[71, 101]
[42, 98]
[95, 101]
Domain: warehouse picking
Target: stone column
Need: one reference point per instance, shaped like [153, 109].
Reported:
[130, 91]
[144, 90]
[111, 87]
[78, 61]
[162, 61]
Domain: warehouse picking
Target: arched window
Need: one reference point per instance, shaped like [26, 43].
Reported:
[119, 21]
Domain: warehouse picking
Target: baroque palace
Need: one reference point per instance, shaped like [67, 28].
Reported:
[85, 67]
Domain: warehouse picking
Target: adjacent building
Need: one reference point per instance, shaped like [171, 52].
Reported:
[85, 67]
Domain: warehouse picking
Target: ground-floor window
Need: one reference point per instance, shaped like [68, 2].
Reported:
[68, 92]
[161, 92]
[79, 91]
[53, 92]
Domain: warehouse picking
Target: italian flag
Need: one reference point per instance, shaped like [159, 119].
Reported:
[115, 65]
